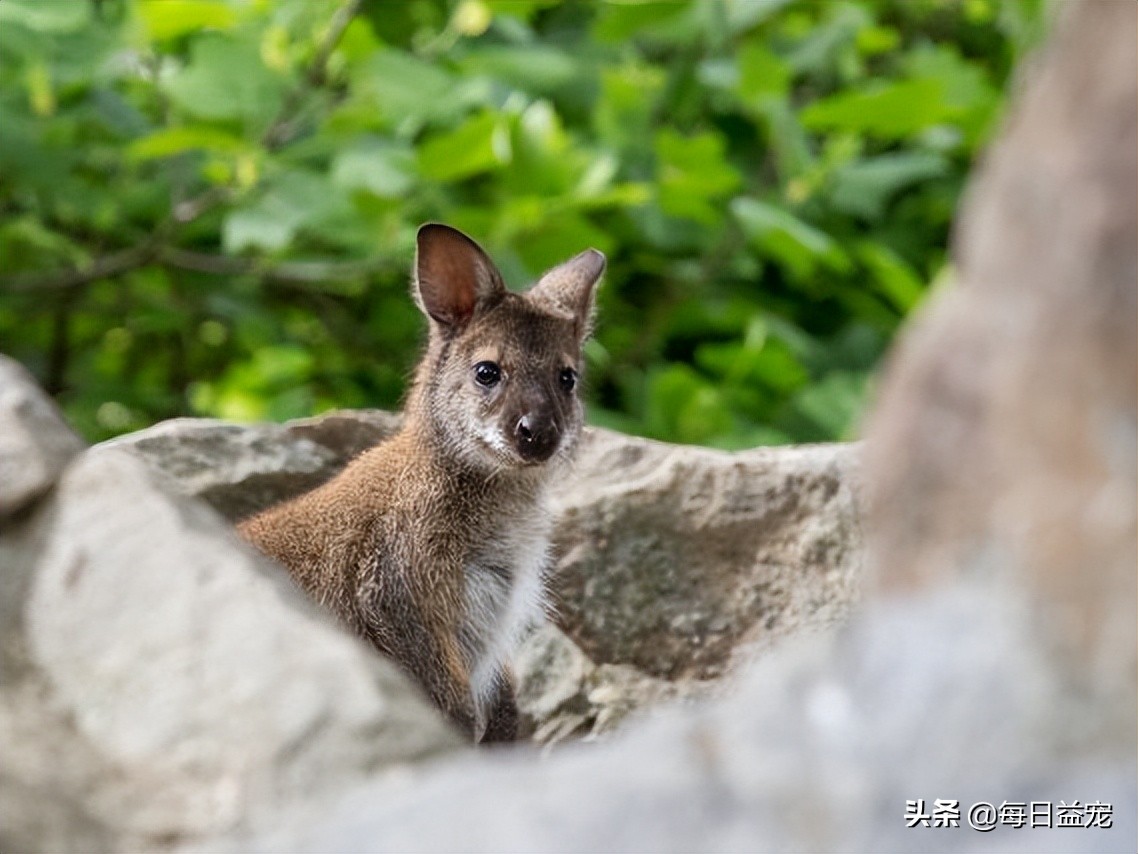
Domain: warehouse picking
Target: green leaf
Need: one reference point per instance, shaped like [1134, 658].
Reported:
[404, 87]
[226, 80]
[762, 75]
[45, 17]
[629, 94]
[797, 246]
[384, 168]
[892, 110]
[532, 68]
[894, 279]
[684, 407]
[256, 228]
[863, 188]
[170, 141]
[295, 200]
[559, 237]
[692, 171]
[480, 144]
[167, 19]
[617, 23]
[835, 404]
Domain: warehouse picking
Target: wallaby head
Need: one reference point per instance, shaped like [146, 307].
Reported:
[499, 384]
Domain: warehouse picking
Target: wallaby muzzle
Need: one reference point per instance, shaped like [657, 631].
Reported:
[536, 437]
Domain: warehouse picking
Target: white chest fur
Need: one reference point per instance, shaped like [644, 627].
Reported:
[505, 596]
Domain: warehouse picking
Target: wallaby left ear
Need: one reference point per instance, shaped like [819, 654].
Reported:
[453, 276]
[571, 287]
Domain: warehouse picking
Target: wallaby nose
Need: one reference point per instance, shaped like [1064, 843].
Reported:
[535, 438]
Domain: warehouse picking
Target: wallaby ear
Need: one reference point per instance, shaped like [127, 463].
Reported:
[453, 276]
[571, 286]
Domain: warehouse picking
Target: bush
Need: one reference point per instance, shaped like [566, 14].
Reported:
[210, 205]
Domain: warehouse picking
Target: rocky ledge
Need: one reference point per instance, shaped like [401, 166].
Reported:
[669, 559]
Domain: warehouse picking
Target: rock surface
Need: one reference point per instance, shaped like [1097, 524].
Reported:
[563, 694]
[35, 443]
[242, 469]
[160, 681]
[673, 558]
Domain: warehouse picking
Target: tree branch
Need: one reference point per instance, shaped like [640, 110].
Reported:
[291, 272]
[117, 263]
[105, 267]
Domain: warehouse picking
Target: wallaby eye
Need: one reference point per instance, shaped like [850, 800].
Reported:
[487, 374]
[568, 379]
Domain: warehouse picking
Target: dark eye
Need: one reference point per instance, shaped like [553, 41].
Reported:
[568, 379]
[487, 374]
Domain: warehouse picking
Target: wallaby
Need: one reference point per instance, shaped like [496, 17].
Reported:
[433, 544]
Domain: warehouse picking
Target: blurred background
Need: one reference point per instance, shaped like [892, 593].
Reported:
[208, 207]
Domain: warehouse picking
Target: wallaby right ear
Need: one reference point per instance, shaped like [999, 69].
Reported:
[453, 276]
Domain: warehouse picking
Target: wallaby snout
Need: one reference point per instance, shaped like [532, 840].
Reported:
[536, 437]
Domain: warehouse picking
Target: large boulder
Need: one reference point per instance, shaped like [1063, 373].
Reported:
[240, 469]
[824, 740]
[161, 682]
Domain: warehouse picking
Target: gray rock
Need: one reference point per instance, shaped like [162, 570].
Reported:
[163, 682]
[242, 469]
[563, 694]
[672, 558]
[35, 441]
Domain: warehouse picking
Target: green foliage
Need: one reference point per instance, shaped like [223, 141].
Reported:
[210, 205]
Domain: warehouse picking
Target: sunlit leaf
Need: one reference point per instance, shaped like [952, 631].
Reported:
[176, 140]
[887, 109]
[480, 144]
[167, 19]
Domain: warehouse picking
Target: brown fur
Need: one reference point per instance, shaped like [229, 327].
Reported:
[432, 544]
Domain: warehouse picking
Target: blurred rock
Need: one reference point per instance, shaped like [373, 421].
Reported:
[162, 682]
[35, 443]
[1005, 442]
[929, 697]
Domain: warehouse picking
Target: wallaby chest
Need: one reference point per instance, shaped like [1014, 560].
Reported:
[503, 594]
